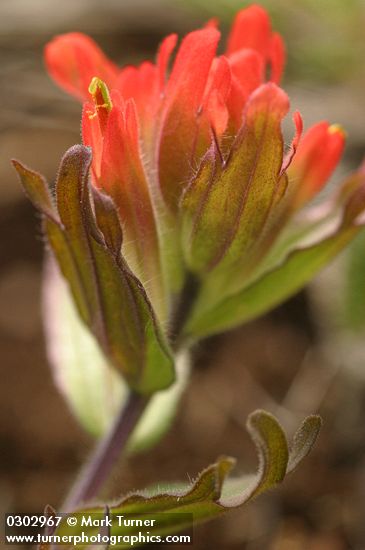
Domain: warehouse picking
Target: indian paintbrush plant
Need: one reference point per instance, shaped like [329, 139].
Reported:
[180, 216]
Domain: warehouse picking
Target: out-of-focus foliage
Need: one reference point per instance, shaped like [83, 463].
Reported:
[309, 27]
[354, 291]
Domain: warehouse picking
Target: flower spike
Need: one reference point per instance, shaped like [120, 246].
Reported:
[191, 194]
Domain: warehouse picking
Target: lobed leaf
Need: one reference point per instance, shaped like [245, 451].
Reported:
[213, 493]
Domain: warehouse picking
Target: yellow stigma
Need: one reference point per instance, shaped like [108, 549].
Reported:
[97, 86]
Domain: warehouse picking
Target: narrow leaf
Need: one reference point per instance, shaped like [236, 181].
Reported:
[303, 441]
[36, 188]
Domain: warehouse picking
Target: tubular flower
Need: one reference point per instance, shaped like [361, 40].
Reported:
[190, 161]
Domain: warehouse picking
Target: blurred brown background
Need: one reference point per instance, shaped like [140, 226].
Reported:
[284, 362]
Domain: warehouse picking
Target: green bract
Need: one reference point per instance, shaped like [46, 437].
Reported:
[86, 241]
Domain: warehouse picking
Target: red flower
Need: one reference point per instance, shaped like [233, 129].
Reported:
[193, 158]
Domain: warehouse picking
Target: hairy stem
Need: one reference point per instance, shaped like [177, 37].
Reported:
[96, 470]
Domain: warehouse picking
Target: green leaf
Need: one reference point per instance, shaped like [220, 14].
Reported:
[110, 299]
[213, 493]
[36, 189]
[303, 441]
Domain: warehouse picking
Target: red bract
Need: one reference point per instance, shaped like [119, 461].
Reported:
[203, 96]
[176, 113]
[318, 154]
[74, 61]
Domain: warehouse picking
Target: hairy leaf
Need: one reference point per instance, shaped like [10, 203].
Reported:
[213, 493]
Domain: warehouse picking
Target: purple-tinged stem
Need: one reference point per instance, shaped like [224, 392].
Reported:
[96, 470]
